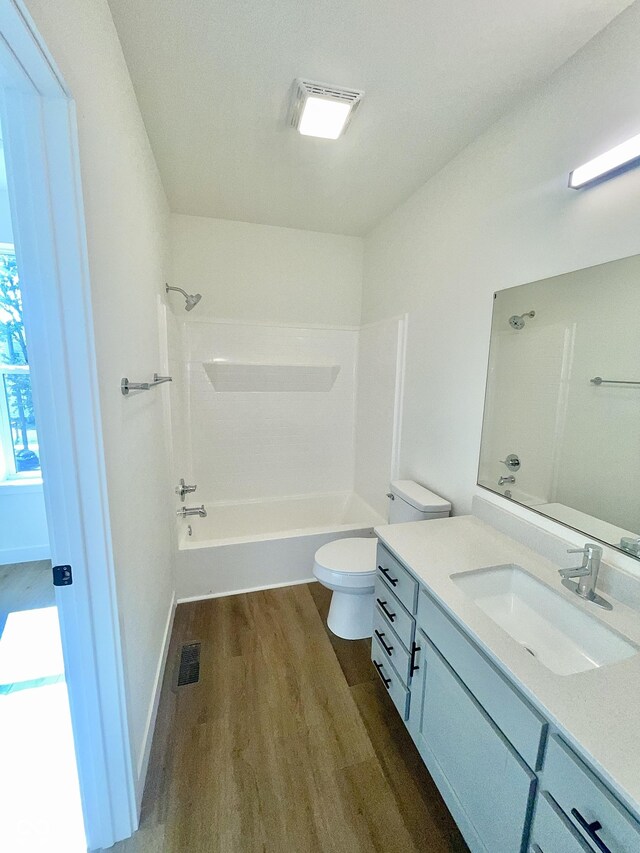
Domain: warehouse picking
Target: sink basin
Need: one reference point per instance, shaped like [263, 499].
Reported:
[560, 635]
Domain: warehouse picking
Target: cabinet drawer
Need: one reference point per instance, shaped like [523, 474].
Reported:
[584, 799]
[393, 649]
[490, 782]
[390, 678]
[552, 832]
[403, 584]
[519, 722]
[388, 606]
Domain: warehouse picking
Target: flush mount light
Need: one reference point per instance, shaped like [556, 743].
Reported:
[611, 162]
[321, 110]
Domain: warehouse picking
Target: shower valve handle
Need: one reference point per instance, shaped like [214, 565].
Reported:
[182, 489]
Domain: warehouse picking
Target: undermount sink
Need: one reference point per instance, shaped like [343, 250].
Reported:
[551, 628]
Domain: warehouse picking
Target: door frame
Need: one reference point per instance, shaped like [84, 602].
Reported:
[43, 169]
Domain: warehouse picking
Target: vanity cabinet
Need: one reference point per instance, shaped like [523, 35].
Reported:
[510, 782]
[393, 647]
[488, 787]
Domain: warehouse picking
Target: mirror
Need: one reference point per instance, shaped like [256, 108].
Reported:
[561, 429]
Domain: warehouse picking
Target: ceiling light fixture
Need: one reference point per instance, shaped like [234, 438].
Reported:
[616, 160]
[321, 110]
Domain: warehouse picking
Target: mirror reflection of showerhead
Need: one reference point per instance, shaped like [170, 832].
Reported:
[191, 299]
[517, 321]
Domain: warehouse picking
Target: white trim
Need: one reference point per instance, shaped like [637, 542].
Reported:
[398, 405]
[147, 739]
[21, 485]
[24, 555]
[243, 591]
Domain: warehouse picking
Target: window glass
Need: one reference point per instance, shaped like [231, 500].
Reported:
[18, 436]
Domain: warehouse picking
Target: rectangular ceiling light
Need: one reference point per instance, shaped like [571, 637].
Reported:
[618, 158]
[321, 110]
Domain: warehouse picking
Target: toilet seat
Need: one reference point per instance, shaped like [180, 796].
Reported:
[347, 564]
[354, 555]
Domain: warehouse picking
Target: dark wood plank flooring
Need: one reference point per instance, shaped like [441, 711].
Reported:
[287, 744]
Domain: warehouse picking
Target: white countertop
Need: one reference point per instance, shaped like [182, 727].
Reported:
[597, 711]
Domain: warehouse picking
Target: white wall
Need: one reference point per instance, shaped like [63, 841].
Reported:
[23, 524]
[265, 273]
[285, 296]
[127, 232]
[498, 215]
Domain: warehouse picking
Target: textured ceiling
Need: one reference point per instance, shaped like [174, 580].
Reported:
[213, 80]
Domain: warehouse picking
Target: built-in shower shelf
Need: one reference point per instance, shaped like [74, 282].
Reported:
[245, 376]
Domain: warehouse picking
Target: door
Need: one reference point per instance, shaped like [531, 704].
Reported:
[38, 128]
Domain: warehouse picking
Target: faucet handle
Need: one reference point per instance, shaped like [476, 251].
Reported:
[589, 548]
[183, 489]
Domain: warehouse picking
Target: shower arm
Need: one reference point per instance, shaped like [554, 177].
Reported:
[177, 290]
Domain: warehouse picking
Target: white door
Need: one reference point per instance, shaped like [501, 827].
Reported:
[38, 126]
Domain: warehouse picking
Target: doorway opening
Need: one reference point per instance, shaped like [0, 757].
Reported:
[36, 737]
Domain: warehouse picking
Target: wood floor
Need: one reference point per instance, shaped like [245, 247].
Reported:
[288, 743]
[25, 586]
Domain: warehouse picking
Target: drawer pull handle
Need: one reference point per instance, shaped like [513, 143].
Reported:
[591, 829]
[388, 649]
[385, 681]
[390, 616]
[387, 574]
[414, 666]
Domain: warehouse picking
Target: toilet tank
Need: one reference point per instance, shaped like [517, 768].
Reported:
[412, 502]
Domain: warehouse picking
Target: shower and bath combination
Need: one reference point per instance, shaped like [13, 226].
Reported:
[517, 320]
[191, 299]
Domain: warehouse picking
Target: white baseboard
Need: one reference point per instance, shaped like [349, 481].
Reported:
[143, 763]
[241, 591]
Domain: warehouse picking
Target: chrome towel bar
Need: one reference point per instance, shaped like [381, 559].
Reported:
[126, 385]
[598, 380]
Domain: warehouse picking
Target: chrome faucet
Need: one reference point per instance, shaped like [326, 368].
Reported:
[587, 572]
[509, 479]
[182, 489]
[186, 511]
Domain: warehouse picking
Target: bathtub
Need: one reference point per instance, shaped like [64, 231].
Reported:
[251, 545]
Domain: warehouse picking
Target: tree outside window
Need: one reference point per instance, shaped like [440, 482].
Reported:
[15, 393]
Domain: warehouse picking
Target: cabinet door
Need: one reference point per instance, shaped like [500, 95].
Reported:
[487, 786]
[552, 831]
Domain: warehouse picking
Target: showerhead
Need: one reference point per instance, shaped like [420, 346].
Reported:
[191, 299]
[517, 321]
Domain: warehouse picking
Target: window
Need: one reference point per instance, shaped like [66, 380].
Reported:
[19, 450]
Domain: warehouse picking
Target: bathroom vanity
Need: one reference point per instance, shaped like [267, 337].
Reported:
[514, 690]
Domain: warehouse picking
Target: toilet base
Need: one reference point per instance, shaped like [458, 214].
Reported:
[351, 615]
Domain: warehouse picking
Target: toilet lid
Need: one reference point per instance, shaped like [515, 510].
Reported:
[348, 555]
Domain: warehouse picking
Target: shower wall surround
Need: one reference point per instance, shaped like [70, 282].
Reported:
[254, 444]
[257, 444]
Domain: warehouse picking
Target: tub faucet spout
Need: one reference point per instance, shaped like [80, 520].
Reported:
[186, 511]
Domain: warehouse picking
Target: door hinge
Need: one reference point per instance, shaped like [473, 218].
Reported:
[62, 575]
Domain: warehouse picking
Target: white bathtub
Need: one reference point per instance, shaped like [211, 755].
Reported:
[244, 546]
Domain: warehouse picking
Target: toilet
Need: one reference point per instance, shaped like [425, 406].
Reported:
[348, 566]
